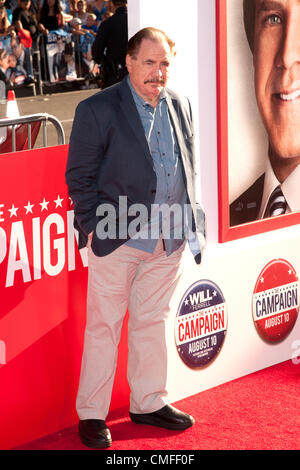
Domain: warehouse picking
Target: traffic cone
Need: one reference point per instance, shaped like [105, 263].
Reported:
[12, 110]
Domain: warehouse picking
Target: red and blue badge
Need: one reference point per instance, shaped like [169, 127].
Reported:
[201, 324]
[276, 301]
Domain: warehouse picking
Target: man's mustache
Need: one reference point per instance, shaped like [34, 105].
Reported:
[160, 81]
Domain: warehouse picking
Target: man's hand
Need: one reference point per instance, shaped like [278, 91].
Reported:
[90, 236]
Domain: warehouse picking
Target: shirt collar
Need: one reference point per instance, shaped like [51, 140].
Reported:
[270, 183]
[139, 100]
[289, 188]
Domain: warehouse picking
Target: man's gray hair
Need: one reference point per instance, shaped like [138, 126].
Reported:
[152, 34]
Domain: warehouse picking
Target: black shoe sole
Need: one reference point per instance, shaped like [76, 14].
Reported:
[96, 444]
[159, 423]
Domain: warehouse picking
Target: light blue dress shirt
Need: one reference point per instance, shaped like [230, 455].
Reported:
[170, 189]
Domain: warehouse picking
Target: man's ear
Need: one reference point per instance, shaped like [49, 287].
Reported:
[128, 62]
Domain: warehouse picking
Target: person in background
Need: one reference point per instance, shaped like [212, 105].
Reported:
[16, 73]
[59, 64]
[22, 56]
[110, 45]
[70, 73]
[50, 15]
[4, 66]
[24, 17]
[11, 5]
[91, 24]
[76, 27]
[72, 7]
[5, 27]
[84, 39]
[98, 7]
[81, 13]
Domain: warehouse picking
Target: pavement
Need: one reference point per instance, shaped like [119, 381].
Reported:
[60, 105]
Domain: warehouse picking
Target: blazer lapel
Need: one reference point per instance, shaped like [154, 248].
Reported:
[133, 118]
[174, 114]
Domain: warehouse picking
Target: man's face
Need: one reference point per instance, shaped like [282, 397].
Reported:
[17, 49]
[80, 6]
[12, 61]
[4, 60]
[89, 21]
[276, 58]
[25, 4]
[149, 69]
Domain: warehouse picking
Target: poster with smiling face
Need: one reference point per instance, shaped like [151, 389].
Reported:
[60, 57]
[259, 115]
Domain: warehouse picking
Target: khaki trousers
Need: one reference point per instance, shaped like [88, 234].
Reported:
[143, 283]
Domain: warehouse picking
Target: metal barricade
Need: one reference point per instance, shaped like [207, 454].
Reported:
[44, 118]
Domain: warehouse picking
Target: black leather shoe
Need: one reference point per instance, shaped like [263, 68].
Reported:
[167, 417]
[94, 433]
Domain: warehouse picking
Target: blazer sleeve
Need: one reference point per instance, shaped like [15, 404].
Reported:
[191, 116]
[86, 151]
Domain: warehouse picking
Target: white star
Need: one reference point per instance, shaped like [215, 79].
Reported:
[262, 280]
[186, 302]
[290, 271]
[44, 204]
[214, 293]
[58, 201]
[28, 207]
[13, 211]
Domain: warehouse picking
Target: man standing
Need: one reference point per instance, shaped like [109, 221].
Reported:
[273, 34]
[131, 149]
[110, 45]
[22, 56]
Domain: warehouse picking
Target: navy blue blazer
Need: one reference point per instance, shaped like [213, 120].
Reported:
[109, 156]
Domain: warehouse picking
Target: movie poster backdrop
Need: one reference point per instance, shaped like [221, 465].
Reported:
[243, 142]
[64, 51]
[60, 55]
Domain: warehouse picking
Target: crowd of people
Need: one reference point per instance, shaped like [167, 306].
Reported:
[56, 28]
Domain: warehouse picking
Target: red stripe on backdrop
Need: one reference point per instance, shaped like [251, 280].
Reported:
[43, 280]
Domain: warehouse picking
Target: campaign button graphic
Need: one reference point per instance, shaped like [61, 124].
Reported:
[276, 301]
[201, 324]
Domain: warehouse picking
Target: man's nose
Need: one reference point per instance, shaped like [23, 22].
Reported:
[158, 71]
[289, 51]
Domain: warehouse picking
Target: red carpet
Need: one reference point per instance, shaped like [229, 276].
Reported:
[256, 412]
